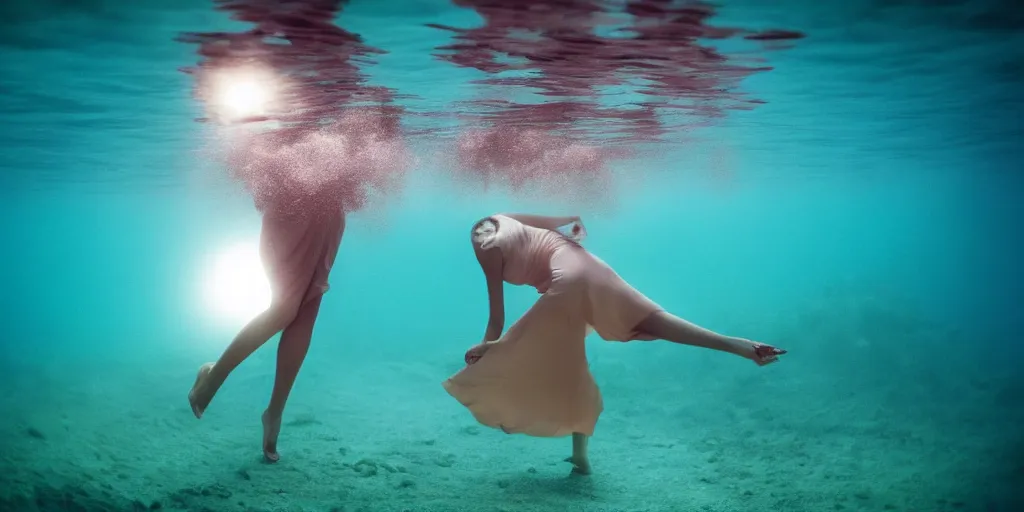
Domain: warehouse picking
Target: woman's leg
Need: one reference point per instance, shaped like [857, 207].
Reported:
[579, 460]
[665, 326]
[291, 352]
[250, 338]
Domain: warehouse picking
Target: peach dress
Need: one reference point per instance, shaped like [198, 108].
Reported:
[298, 252]
[536, 380]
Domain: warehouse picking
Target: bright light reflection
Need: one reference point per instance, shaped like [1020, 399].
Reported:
[243, 93]
[235, 287]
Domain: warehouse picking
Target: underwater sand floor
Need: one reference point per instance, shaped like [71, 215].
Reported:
[373, 435]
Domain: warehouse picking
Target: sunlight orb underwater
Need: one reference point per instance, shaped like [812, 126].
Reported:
[245, 98]
[235, 287]
[239, 94]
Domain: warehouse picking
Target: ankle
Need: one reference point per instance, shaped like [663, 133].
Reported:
[740, 347]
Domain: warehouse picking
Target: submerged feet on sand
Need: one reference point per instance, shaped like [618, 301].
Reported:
[580, 466]
[198, 399]
[197, 396]
[271, 429]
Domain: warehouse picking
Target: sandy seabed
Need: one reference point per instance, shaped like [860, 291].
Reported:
[855, 425]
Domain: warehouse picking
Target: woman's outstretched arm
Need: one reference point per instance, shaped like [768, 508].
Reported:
[491, 262]
[543, 221]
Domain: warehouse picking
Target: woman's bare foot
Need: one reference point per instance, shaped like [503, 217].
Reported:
[199, 396]
[271, 429]
[763, 354]
[580, 465]
[579, 460]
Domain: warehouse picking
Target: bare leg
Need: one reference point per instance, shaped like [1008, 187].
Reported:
[250, 338]
[580, 461]
[291, 352]
[664, 326]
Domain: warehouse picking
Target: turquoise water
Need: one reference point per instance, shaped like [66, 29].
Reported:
[866, 218]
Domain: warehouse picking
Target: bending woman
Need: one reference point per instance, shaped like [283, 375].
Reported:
[535, 379]
[298, 249]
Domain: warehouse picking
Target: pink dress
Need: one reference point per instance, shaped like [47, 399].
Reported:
[536, 380]
[298, 252]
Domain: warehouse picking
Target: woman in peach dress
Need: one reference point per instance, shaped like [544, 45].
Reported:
[534, 379]
[298, 249]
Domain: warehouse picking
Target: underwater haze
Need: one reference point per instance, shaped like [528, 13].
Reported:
[860, 207]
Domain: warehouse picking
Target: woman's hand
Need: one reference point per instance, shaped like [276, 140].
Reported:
[577, 231]
[476, 352]
[574, 229]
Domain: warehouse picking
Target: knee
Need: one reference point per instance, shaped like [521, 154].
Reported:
[283, 312]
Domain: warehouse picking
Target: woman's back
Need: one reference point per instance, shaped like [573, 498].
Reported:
[527, 251]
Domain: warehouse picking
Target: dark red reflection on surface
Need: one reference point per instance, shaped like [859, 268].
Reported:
[569, 53]
[336, 138]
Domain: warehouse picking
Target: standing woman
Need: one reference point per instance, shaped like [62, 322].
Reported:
[534, 379]
[298, 249]
[303, 186]
[318, 157]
